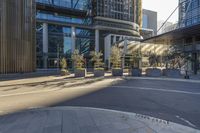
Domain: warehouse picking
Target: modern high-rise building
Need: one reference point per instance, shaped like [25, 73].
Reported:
[86, 25]
[189, 12]
[17, 36]
[149, 23]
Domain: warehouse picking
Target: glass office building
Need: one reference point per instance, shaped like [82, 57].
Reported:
[189, 18]
[66, 25]
[189, 12]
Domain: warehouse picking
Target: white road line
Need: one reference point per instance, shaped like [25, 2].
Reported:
[154, 89]
[186, 121]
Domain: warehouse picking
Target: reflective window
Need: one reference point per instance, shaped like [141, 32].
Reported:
[85, 42]
[61, 18]
[75, 4]
[145, 21]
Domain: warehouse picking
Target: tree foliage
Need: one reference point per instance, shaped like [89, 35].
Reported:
[63, 63]
[153, 59]
[135, 58]
[97, 59]
[78, 59]
[115, 57]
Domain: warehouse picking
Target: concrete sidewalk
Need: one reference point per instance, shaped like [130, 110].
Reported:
[196, 80]
[86, 120]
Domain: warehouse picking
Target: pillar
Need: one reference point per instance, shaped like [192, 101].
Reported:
[45, 44]
[107, 50]
[73, 37]
[194, 55]
[97, 40]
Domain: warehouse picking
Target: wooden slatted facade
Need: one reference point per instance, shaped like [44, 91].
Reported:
[17, 36]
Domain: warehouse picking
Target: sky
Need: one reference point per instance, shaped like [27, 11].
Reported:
[163, 7]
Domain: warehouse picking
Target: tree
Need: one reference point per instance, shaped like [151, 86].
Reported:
[115, 57]
[63, 63]
[174, 57]
[78, 59]
[153, 59]
[97, 59]
[135, 58]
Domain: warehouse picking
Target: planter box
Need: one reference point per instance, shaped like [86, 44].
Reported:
[136, 72]
[153, 72]
[99, 73]
[80, 73]
[117, 72]
[174, 73]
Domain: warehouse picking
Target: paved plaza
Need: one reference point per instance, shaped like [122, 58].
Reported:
[86, 120]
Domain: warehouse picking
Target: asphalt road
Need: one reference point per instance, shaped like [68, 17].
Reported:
[170, 100]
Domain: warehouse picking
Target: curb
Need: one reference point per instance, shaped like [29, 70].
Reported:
[164, 79]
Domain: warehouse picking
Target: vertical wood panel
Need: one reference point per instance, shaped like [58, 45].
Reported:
[17, 36]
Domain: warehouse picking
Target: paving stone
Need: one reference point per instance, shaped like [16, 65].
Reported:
[145, 130]
[54, 118]
[120, 125]
[108, 129]
[128, 130]
[53, 129]
[83, 120]
[89, 129]
[70, 122]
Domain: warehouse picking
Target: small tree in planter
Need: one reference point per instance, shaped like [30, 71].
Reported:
[98, 63]
[115, 59]
[78, 61]
[153, 61]
[63, 65]
[135, 61]
[174, 59]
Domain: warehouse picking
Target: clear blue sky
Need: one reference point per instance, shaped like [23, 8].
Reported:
[163, 7]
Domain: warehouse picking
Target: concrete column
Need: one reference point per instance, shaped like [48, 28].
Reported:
[45, 44]
[107, 50]
[194, 55]
[97, 40]
[73, 37]
[114, 39]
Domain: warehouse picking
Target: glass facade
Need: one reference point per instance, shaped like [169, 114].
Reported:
[59, 32]
[189, 12]
[122, 14]
[145, 21]
[60, 40]
[51, 16]
[75, 4]
[116, 9]
[85, 41]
